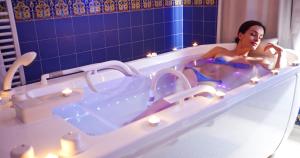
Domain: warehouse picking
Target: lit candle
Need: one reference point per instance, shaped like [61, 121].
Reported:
[154, 54]
[220, 94]
[195, 44]
[275, 72]
[174, 49]
[22, 151]
[66, 92]
[70, 144]
[153, 120]
[254, 80]
[51, 155]
[151, 54]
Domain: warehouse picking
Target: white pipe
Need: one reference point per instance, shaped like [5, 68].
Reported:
[190, 93]
[173, 72]
[23, 60]
[116, 65]
[188, 90]
[113, 64]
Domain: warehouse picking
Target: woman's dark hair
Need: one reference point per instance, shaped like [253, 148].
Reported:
[246, 25]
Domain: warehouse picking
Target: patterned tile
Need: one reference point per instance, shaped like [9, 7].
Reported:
[44, 9]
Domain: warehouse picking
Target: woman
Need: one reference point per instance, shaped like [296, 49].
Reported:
[248, 39]
[225, 61]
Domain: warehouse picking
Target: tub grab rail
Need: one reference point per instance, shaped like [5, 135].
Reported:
[179, 97]
[163, 72]
[188, 92]
[127, 70]
[113, 64]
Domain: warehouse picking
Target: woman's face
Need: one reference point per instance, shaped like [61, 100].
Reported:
[251, 38]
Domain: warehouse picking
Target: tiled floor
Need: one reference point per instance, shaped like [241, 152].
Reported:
[291, 147]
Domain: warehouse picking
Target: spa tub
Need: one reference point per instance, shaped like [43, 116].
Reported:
[251, 120]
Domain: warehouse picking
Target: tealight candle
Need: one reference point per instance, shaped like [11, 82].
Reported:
[174, 49]
[151, 54]
[153, 120]
[51, 155]
[275, 72]
[254, 80]
[22, 151]
[66, 92]
[70, 144]
[195, 44]
[220, 94]
[154, 54]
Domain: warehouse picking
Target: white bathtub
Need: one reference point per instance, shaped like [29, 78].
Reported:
[250, 121]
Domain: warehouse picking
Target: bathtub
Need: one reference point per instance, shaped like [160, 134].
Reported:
[251, 120]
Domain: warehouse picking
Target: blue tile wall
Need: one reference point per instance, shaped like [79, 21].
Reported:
[199, 24]
[64, 42]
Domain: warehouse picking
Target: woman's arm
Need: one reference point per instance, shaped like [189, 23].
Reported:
[215, 52]
[278, 52]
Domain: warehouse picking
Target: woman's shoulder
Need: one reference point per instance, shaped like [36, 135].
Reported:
[216, 51]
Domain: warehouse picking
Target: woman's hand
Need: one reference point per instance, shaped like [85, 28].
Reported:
[277, 48]
[278, 51]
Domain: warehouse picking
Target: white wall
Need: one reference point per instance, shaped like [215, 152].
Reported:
[235, 12]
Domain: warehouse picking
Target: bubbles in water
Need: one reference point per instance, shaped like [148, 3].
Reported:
[98, 108]
[117, 102]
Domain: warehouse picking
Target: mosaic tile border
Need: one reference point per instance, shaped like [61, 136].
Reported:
[43, 9]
